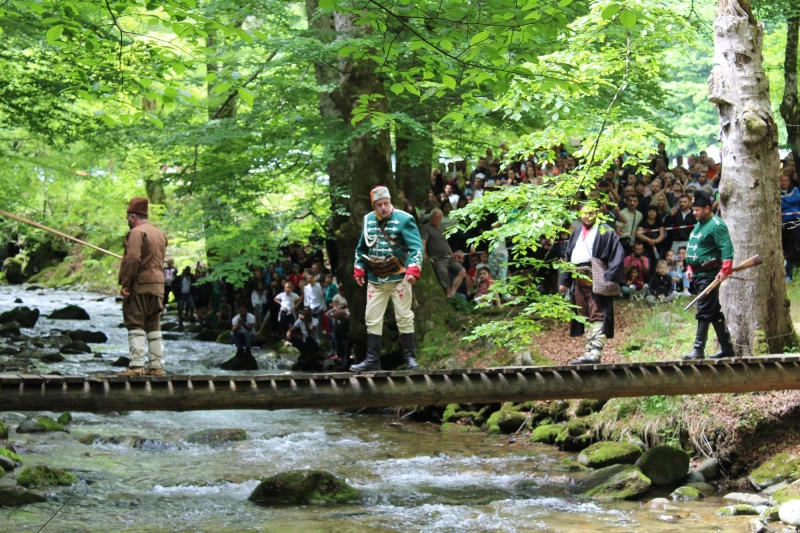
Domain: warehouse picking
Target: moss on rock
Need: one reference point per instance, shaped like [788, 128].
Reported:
[65, 418]
[3, 430]
[606, 453]
[575, 436]
[34, 476]
[452, 427]
[94, 438]
[303, 487]
[781, 467]
[217, 436]
[586, 406]
[704, 488]
[547, 434]
[686, 494]
[15, 497]
[737, 510]
[664, 465]
[5, 452]
[790, 492]
[628, 484]
[506, 421]
[40, 424]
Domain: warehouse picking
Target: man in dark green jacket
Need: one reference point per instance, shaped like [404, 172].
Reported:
[710, 257]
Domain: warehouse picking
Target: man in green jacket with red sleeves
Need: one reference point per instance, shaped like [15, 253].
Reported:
[710, 257]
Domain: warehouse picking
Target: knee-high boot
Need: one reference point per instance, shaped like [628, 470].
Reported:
[155, 346]
[595, 342]
[724, 338]
[699, 350]
[407, 343]
[136, 348]
[373, 359]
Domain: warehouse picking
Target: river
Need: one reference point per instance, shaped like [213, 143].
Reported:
[412, 476]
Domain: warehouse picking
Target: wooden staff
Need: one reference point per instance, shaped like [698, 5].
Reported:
[56, 232]
[750, 263]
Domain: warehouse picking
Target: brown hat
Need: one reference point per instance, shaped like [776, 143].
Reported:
[138, 206]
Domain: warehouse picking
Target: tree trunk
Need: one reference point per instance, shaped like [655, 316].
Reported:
[367, 164]
[790, 110]
[414, 156]
[757, 310]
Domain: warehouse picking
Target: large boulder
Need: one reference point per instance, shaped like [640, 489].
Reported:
[24, 316]
[781, 467]
[547, 433]
[664, 465]
[217, 436]
[34, 476]
[240, 361]
[788, 492]
[303, 487]
[789, 513]
[506, 421]
[39, 424]
[9, 329]
[709, 469]
[12, 268]
[627, 484]
[6, 464]
[575, 436]
[70, 312]
[82, 335]
[16, 497]
[605, 453]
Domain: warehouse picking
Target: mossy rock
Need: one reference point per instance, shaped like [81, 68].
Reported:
[770, 514]
[704, 488]
[737, 510]
[781, 467]
[40, 424]
[686, 494]
[16, 497]
[606, 453]
[454, 413]
[303, 487]
[664, 465]
[450, 411]
[224, 338]
[547, 434]
[558, 409]
[790, 492]
[5, 452]
[568, 464]
[506, 421]
[586, 406]
[217, 436]
[34, 476]
[452, 427]
[65, 418]
[3, 430]
[575, 436]
[94, 438]
[628, 484]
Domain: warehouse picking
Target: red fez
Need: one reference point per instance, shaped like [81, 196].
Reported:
[138, 206]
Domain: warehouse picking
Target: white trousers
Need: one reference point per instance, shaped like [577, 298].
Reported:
[378, 296]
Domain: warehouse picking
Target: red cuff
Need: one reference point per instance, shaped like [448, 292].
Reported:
[727, 267]
[358, 272]
[414, 271]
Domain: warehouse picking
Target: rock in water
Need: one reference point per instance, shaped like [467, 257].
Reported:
[24, 316]
[217, 436]
[8, 454]
[547, 433]
[40, 424]
[737, 510]
[82, 335]
[744, 497]
[3, 430]
[303, 487]
[506, 421]
[76, 347]
[789, 513]
[605, 453]
[122, 361]
[781, 467]
[34, 476]
[240, 361]
[685, 494]
[709, 469]
[627, 484]
[65, 418]
[6, 464]
[576, 436]
[15, 497]
[70, 312]
[9, 329]
[664, 465]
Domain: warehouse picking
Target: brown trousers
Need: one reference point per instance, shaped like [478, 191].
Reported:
[587, 306]
[143, 311]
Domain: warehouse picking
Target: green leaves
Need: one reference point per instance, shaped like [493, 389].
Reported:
[246, 95]
[222, 87]
[628, 18]
[54, 33]
[610, 10]
[448, 82]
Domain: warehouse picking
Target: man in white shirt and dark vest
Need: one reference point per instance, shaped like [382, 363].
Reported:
[590, 240]
[389, 259]
[710, 257]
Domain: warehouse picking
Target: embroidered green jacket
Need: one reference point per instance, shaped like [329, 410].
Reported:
[709, 240]
[402, 228]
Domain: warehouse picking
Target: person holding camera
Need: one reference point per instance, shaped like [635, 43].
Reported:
[304, 335]
[389, 260]
[243, 331]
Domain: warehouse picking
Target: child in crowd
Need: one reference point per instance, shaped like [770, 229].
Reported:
[484, 284]
[331, 289]
[635, 287]
[288, 301]
[660, 287]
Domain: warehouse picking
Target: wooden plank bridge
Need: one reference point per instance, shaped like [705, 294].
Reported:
[23, 392]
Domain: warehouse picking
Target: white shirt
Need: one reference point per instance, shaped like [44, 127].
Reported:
[454, 200]
[250, 320]
[477, 193]
[186, 285]
[582, 253]
[287, 301]
[313, 296]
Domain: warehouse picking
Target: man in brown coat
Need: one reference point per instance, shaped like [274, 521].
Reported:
[142, 280]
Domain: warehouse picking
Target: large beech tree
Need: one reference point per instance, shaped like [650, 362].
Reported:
[756, 309]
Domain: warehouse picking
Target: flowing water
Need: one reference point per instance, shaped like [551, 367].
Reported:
[412, 476]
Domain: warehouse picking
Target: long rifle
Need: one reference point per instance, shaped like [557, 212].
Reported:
[56, 232]
[750, 263]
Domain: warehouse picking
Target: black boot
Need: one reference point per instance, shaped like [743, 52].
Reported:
[724, 338]
[698, 352]
[407, 343]
[373, 360]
